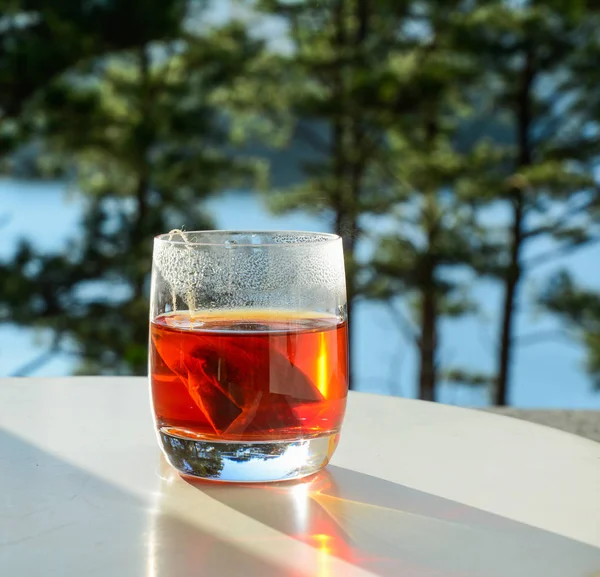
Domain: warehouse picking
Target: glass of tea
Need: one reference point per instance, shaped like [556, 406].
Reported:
[248, 352]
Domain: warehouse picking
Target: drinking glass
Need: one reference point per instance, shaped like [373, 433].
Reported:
[248, 352]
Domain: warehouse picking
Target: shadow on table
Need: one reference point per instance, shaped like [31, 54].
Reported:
[59, 520]
[392, 530]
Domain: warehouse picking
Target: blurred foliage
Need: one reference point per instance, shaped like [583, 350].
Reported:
[139, 136]
[542, 176]
[423, 117]
[39, 39]
[433, 188]
[579, 308]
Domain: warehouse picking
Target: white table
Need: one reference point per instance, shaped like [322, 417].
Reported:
[415, 489]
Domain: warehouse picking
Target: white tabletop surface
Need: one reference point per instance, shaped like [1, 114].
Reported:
[414, 490]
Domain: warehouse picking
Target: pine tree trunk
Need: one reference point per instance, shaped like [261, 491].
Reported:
[348, 139]
[345, 225]
[508, 309]
[523, 114]
[429, 295]
[344, 228]
[139, 229]
[351, 339]
[428, 340]
[351, 172]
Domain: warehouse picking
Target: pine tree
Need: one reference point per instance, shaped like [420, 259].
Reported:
[578, 307]
[542, 179]
[372, 87]
[435, 237]
[39, 40]
[333, 90]
[145, 143]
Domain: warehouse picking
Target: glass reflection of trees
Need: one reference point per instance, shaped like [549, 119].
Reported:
[208, 460]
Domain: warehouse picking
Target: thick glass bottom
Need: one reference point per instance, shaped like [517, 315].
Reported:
[247, 462]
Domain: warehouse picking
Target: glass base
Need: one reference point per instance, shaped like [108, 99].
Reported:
[248, 462]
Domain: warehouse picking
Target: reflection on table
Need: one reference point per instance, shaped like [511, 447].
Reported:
[341, 522]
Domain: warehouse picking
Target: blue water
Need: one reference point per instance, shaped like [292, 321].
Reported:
[548, 374]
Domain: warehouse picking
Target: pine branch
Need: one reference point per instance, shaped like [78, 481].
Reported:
[35, 364]
[559, 222]
[312, 138]
[539, 337]
[403, 324]
[553, 254]
[38, 362]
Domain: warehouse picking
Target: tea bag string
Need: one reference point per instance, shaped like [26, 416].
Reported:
[190, 299]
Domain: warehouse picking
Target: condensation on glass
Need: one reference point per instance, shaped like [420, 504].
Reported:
[248, 352]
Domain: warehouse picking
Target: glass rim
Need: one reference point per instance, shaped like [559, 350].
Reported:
[325, 238]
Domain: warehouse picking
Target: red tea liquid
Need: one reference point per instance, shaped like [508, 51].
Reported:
[268, 376]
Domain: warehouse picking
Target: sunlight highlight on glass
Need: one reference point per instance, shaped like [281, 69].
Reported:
[323, 375]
